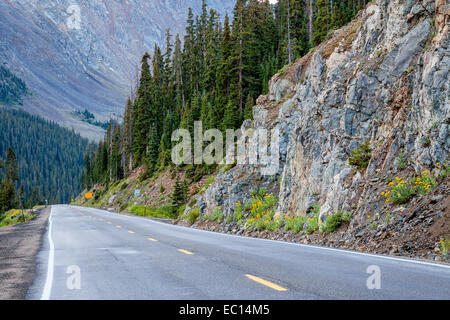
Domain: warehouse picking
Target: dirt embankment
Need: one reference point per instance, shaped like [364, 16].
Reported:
[19, 245]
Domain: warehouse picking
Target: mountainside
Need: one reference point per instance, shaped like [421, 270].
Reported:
[363, 150]
[82, 55]
[382, 79]
[50, 158]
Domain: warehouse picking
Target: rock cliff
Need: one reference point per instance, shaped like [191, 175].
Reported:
[383, 79]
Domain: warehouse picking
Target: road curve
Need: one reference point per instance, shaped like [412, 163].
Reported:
[94, 254]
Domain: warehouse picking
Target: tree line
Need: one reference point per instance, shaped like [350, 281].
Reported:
[213, 75]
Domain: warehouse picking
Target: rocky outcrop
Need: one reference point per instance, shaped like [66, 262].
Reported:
[384, 79]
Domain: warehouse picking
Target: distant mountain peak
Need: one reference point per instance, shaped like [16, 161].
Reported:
[84, 55]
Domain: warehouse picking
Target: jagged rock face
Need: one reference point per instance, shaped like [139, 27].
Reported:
[69, 68]
[383, 78]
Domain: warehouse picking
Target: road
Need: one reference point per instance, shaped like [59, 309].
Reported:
[113, 256]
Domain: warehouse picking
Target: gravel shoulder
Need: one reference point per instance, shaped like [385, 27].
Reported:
[19, 245]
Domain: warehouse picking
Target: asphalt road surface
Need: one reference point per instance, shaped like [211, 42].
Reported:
[94, 254]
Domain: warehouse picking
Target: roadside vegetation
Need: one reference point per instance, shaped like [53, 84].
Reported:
[401, 191]
[145, 211]
[14, 216]
[259, 214]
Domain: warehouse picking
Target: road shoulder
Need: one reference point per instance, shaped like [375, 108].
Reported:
[19, 246]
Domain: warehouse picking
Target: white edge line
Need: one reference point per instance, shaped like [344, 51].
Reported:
[51, 262]
[404, 260]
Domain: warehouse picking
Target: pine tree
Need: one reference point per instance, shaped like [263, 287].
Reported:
[248, 112]
[12, 171]
[225, 90]
[7, 195]
[322, 22]
[153, 151]
[116, 171]
[299, 27]
[231, 117]
[127, 137]
[214, 76]
[187, 121]
[142, 113]
[178, 198]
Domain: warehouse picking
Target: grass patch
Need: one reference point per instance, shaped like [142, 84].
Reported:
[208, 182]
[217, 215]
[193, 215]
[144, 211]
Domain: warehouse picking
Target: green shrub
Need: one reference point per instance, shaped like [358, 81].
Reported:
[217, 215]
[180, 210]
[347, 216]
[283, 71]
[209, 181]
[123, 206]
[445, 246]
[316, 209]
[388, 218]
[400, 191]
[332, 223]
[312, 224]
[426, 142]
[361, 156]
[238, 213]
[401, 162]
[275, 224]
[295, 223]
[444, 169]
[193, 215]
[262, 192]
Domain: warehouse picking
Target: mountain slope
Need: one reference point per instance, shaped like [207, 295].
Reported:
[363, 122]
[50, 158]
[382, 79]
[69, 69]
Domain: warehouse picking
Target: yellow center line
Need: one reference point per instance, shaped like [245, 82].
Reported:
[118, 227]
[185, 252]
[132, 232]
[266, 283]
[151, 239]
